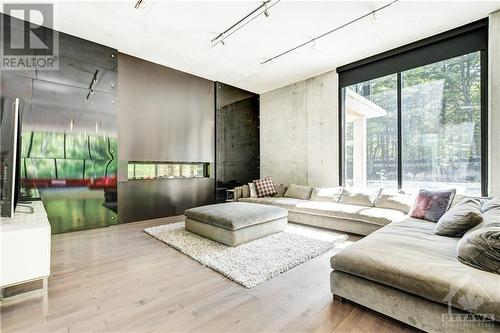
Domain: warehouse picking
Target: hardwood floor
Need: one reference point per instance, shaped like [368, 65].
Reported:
[119, 279]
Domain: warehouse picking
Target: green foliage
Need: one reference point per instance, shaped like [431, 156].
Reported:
[441, 119]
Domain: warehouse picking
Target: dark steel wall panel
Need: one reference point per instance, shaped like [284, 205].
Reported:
[163, 115]
[149, 199]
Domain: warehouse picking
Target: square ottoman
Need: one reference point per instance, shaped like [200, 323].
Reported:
[236, 222]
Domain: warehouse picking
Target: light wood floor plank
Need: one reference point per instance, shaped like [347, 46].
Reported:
[119, 279]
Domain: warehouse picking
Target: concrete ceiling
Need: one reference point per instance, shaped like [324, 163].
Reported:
[177, 34]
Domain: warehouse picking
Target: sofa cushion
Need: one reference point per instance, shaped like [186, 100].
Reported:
[235, 215]
[373, 215]
[491, 204]
[253, 190]
[264, 187]
[481, 248]
[328, 194]
[491, 216]
[245, 191]
[395, 200]
[407, 255]
[431, 205]
[460, 218]
[280, 190]
[298, 192]
[287, 203]
[359, 197]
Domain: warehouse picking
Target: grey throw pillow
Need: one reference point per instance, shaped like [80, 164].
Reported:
[359, 198]
[280, 190]
[298, 192]
[491, 204]
[463, 216]
[395, 200]
[253, 190]
[481, 248]
[327, 194]
[245, 191]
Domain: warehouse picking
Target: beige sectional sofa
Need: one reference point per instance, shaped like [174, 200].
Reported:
[337, 209]
[406, 271]
[401, 268]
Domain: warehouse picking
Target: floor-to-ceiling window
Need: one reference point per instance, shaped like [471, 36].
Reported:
[371, 133]
[441, 125]
[417, 118]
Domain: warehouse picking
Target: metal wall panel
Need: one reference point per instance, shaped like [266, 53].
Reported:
[163, 115]
[149, 199]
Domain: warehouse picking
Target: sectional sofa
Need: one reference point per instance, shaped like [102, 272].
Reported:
[401, 268]
[336, 208]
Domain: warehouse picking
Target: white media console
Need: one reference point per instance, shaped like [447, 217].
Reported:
[25, 247]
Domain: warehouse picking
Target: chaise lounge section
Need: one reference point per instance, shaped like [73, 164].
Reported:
[406, 271]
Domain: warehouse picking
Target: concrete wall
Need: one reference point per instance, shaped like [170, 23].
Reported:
[494, 104]
[299, 132]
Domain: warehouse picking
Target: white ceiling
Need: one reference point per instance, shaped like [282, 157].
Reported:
[177, 34]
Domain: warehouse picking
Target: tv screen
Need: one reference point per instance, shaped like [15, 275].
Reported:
[10, 131]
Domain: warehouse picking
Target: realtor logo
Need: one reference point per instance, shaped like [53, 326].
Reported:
[471, 317]
[28, 41]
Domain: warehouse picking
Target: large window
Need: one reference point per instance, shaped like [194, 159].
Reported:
[371, 133]
[441, 118]
[423, 123]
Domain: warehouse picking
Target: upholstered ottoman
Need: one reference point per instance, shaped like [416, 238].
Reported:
[236, 222]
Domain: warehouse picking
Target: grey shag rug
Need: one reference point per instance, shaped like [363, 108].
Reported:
[252, 263]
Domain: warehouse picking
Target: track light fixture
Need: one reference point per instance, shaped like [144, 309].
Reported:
[266, 5]
[313, 40]
[138, 4]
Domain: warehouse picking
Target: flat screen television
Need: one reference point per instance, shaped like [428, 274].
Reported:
[10, 155]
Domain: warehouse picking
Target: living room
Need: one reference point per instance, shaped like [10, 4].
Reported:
[243, 166]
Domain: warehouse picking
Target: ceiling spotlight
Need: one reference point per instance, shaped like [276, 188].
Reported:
[373, 19]
[266, 12]
[138, 4]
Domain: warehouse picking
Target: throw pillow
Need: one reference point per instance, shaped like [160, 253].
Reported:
[328, 194]
[280, 190]
[245, 191]
[395, 200]
[431, 205]
[463, 216]
[491, 204]
[481, 248]
[359, 197]
[264, 187]
[253, 191]
[298, 192]
[491, 216]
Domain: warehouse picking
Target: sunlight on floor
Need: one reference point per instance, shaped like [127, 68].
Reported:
[320, 234]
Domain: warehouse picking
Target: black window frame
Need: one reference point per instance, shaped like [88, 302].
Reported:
[466, 39]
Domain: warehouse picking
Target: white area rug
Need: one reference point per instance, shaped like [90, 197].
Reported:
[252, 263]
